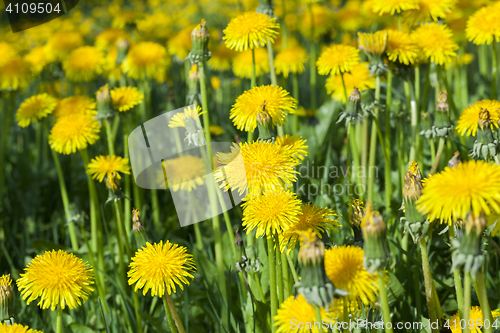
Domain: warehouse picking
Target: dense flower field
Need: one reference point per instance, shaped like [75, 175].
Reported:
[362, 167]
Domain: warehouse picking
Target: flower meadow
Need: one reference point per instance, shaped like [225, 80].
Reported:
[369, 139]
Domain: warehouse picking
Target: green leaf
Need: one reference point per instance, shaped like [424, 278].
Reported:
[79, 328]
[394, 289]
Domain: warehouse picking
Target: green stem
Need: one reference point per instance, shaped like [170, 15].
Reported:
[253, 83]
[286, 275]
[137, 310]
[388, 167]
[428, 283]
[295, 83]
[170, 319]
[483, 301]
[373, 143]
[155, 207]
[413, 121]
[279, 271]
[458, 283]
[317, 314]
[467, 301]
[494, 71]
[292, 268]
[59, 320]
[177, 319]
[438, 156]
[384, 304]
[312, 62]
[127, 209]
[109, 137]
[272, 277]
[65, 200]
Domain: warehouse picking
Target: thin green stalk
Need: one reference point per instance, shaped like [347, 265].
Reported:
[292, 269]
[65, 200]
[59, 320]
[137, 311]
[284, 28]
[253, 83]
[177, 319]
[109, 137]
[295, 83]
[458, 283]
[317, 314]
[274, 81]
[439, 310]
[121, 262]
[483, 301]
[438, 156]
[312, 62]
[345, 313]
[127, 206]
[384, 304]
[279, 271]
[388, 167]
[155, 208]
[170, 319]
[413, 118]
[5, 135]
[428, 283]
[467, 301]
[364, 153]
[416, 138]
[286, 275]
[272, 279]
[373, 143]
[494, 71]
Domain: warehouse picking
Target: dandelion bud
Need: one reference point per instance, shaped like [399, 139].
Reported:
[6, 298]
[442, 126]
[104, 111]
[266, 7]
[353, 109]
[122, 46]
[141, 238]
[112, 182]
[356, 212]
[414, 222]
[455, 160]
[265, 125]
[485, 145]
[314, 285]
[468, 253]
[375, 235]
[426, 126]
[199, 37]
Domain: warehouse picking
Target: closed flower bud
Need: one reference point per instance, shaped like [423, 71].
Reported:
[112, 182]
[6, 298]
[485, 145]
[265, 125]
[199, 49]
[104, 110]
[376, 249]
[455, 160]
[442, 126]
[140, 235]
[356, 213]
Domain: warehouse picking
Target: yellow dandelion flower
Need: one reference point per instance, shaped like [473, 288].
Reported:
[73, 132]
[359, 77]
[122, 19]
[105, 165]
[83, 64]
[464, 59]
[215, 82]
[16, 328]
[216, 130]
[266, 167]
[221, 58]
[401, 47]
[373, 43]
[483, 27]
[296, 308]
[242, 63]
[296, 144]
[337, 58]
[350, 17]
[75, 105]
[146, 60]
[38, 59]
[430, 10]
[312, 217]
[185, 173]
[179, 119]
[108, 38]
[250, 30]
[273, 100]
[436, 42]
[159, 267]
[125, 98]
[180, 44]
[7, 51]
[322, 19]
[475, 316]
[471, 187]
[291, 60]
[15, 73]
[35, 108]
[382, 7]
[57, 278]
[62, 43]
[467, 124]
[344, 267]
[270, 213]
